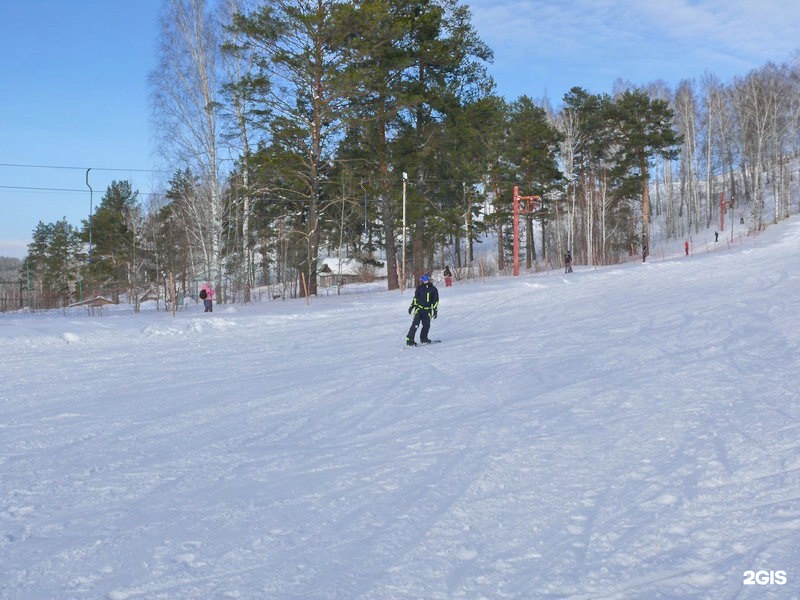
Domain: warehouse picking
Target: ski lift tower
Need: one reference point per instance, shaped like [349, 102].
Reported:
[532, 204]
[723, 205]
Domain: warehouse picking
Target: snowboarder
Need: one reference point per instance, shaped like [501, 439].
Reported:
[568, 262]
[424, 305]
[207, 296]
[448, 277]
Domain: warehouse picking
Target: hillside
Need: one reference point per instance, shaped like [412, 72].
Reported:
[624, 432]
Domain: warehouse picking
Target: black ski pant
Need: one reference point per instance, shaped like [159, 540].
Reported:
[421, 316]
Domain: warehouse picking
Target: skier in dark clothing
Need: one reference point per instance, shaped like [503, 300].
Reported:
[424, 305]
[568, 262]
[448, 276]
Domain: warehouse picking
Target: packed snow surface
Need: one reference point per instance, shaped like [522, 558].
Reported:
[620, 432]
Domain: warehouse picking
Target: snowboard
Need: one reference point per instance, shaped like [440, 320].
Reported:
[419, 344]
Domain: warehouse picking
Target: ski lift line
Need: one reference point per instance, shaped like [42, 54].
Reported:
[410, 182]
[367, 201]
[75, 191]
[44, 189]
[25, 166]
[64, 167]
[446, 180]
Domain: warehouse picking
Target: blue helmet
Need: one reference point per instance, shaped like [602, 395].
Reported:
[425, 278]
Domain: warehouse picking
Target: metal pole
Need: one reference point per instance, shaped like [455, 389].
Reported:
[403, 269]
[91, 194]
[516, 231]
[365, 208]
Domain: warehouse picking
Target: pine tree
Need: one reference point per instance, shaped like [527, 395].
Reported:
[372, 34]
[642, 129]
[114, 238]
[54, 258]
[448, 67]
[591, 147]
[469, 143]
[298, 91]
[532, 148]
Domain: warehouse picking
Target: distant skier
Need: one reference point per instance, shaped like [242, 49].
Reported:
[716, 236]
[686, 247]
[424, 305]
[448, 277]
[207, 296]
[568, 262]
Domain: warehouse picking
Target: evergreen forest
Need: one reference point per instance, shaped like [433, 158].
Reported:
[296, 130]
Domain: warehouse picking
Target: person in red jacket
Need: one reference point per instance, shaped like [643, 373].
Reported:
[448, 276]
[686, 247]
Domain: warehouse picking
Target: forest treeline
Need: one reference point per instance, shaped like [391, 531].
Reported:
[372, 129]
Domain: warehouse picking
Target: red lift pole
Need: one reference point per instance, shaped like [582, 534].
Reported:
[532, 203]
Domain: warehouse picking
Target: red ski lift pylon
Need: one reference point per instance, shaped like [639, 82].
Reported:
[532, 205]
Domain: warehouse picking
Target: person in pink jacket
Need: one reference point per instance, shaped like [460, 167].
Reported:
[207, 296]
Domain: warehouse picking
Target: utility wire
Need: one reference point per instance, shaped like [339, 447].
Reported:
[77, 168]
[46, 189]
[378, 179]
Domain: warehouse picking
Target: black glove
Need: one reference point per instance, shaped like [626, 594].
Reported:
[410, 309]
[435, 312]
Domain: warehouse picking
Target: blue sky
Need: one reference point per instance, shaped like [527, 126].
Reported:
[74, 92]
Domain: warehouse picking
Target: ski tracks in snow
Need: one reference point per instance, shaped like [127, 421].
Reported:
[620, 433]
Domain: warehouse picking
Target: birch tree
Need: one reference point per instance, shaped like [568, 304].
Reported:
[238, 67]
[568, 124]
[686, 118]
[752, 103]
[187, 105]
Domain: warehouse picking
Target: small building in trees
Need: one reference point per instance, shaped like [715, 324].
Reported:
[333, 271]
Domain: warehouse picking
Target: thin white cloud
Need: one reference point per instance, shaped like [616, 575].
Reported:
[743, 30]
[555, 44]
